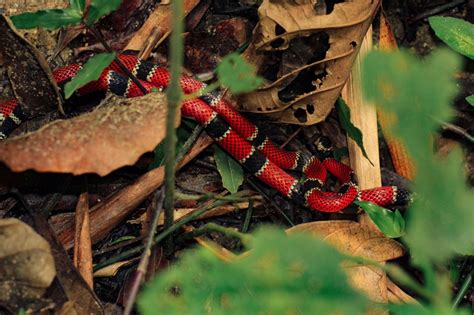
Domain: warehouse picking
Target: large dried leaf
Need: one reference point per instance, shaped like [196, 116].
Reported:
[26, 265]
[355, 239]
[114, 135]
[305, 52]
[30, 76]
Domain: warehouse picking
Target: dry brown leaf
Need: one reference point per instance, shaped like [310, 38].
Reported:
[26, 265]
[303, 87]
[114, 135]
[355, 239]
[82, 257]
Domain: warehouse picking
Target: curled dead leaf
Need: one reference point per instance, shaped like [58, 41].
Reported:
[113, 135]
[305, 51]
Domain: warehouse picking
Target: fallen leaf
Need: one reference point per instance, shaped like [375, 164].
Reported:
[113, 135]
[305, 51]
[355, 239]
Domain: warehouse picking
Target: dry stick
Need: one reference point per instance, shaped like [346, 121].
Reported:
[107, 215]
[125, 70]
[82, 258]
[364, 117]
[140, 272]
[133, 251]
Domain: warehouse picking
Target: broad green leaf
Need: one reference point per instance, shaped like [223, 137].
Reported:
[470, 99]
[99, 8]
[236, 74]
[456, 33]
[441, 219]
[89, 72]
[77, 5]
[231, 172]
[49, 19]
[281, 274]
[344, 113]
[406, 87]
[439, 222]
[390, 223]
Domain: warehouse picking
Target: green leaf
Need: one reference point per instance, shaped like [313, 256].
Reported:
[280, 275]
[99, 8]
[231, 172]
[49, 19]
[353, 132]
[90, 72]
[77, 5]
[390, 223]
[236, 74]
[456, 33]
[439, 222]
[470, 99]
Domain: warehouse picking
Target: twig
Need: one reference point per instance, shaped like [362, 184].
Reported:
[457, 130]
[437, 10]
[125, 70]
[129, 253]
[143, 264]
[274, 204]
[248, 217]
[464, 287]
[212, 227]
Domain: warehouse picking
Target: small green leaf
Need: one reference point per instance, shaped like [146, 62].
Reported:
[235, 73]
[456, 33]
[49, 19]
[77, 5]
[470, 99]
[231, 171]
[99, 8]
[89, 72]
[390, 223]
[353, 132]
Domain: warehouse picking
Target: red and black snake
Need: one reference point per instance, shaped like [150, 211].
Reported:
[235, 134]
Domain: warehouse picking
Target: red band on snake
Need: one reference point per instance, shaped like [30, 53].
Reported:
[235, 134]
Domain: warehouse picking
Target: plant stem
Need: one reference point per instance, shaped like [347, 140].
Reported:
[140, 272]
[125, 70]
[174, 96]
[465, 286]
[129, 253]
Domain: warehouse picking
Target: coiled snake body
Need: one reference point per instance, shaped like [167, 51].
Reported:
[235, 134]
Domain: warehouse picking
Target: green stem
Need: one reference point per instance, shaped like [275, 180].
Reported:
[212, 227]
[462, 291]
[208, 88]
[133, 251]
[174, 96]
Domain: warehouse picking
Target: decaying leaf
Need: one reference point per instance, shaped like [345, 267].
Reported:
[114, 135]
[305, 52]
[26, 266]
[355, 239]
[29, 74]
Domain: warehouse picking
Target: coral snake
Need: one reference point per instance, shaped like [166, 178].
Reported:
[235, 134]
